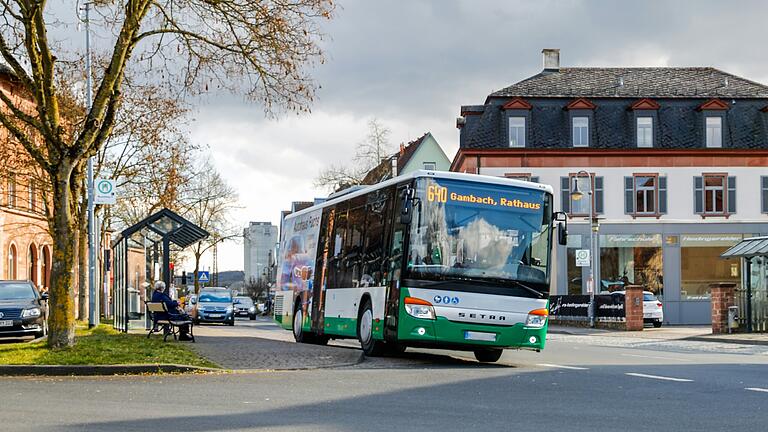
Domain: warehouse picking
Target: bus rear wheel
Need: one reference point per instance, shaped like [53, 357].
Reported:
[371, 347]
[488, 355]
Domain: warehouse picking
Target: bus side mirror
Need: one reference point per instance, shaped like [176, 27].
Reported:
[562, 228]
[406, 213]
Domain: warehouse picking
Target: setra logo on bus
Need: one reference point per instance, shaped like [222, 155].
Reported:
[482, 316]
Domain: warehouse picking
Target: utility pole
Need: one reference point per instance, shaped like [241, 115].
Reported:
[93, 313]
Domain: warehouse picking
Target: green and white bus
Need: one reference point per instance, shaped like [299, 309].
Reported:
[430, 259]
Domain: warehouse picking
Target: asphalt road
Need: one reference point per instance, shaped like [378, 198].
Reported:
[577, 384]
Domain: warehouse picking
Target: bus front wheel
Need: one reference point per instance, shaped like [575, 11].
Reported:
[488, 355]
[371, 347]
[298, 319]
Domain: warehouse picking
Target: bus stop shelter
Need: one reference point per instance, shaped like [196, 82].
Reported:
[752, 299]
[141, 256]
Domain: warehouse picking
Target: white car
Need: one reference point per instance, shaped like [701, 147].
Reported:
[653, 311]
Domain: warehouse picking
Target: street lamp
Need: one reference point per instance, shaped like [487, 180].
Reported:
[578, 194]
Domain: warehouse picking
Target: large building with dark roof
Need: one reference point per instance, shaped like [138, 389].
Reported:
[677, 158]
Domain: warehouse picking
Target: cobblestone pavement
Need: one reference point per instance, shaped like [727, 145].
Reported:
[242, 347]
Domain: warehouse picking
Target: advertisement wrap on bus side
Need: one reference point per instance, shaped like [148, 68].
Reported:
[297, 261]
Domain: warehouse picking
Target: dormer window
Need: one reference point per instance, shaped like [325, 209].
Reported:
[714, 111]
[645, 132]
[580, 131]
[517, 131]
[714, 132]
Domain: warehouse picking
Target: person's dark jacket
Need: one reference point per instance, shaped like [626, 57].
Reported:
[170, 304]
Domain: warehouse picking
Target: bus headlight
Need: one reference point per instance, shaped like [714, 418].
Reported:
[419, 308]
[537, 318]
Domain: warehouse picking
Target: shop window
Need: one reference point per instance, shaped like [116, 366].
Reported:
[645, 195]
[714, 195]
[574, 272]
[701, 265]
[764, 193]
[631, 259]
[580, 207]
[517, 131]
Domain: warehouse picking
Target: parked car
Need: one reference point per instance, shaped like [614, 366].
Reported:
[214, 305]
[244, 307]
[189, 303]
[23, 309]
[653, 309]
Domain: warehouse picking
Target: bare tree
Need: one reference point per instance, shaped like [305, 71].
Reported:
[258, 47]
[208, 203]
[369, 153]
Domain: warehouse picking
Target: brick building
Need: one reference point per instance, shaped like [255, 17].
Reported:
[25, 243]
[677, 158]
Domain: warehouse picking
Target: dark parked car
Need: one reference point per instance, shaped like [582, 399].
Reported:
[214, 305]
[23, 310]
[244, 307]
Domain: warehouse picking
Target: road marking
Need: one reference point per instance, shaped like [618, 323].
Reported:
[656, 357]
[757, 389]
[561, 366]
[658, 377]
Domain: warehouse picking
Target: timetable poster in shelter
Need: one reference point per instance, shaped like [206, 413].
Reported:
[298, 252]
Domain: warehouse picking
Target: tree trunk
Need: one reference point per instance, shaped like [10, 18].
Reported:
[197, 269]
[61, 320]
[82, 261]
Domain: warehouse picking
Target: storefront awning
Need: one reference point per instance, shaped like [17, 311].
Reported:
[748, 248]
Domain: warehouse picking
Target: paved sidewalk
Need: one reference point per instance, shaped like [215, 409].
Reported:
[693, 333]
[271, 348]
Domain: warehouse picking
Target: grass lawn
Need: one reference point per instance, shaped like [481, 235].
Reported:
[103, 345]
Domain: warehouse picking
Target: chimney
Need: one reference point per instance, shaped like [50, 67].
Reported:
[402, 149]
[551, 59]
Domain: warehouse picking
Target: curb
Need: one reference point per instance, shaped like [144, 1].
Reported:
[96, 370]
[728, 341]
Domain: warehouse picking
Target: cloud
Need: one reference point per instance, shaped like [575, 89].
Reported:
[413, 64]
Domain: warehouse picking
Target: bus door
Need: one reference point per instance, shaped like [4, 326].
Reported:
[321, 269]
[394, 263]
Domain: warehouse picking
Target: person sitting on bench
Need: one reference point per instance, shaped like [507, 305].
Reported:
[175, 313]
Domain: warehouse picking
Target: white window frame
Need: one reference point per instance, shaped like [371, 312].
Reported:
[580, 132]
[644, 127]
[712, 191]
[714, 131]
[644, 192]
[517, 132]
[430, 166]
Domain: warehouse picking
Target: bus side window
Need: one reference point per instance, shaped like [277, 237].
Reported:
[354, 242]
[398, 235]
[375, 249]
[335, 264]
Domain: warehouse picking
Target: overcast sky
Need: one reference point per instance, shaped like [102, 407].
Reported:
[411, 64]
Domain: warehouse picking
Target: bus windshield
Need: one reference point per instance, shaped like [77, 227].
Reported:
[472, 231]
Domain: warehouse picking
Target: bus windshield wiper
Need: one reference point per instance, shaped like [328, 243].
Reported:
[519, 284]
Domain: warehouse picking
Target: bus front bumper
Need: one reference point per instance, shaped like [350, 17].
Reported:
[458, 335]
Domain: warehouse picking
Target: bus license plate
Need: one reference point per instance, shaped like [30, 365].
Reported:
[480, 336]
[6, 323]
